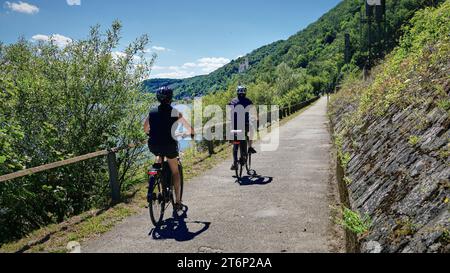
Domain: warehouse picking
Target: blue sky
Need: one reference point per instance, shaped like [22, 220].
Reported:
[190, 37]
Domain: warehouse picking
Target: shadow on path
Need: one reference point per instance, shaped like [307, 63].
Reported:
[176, 228]
[255, 180]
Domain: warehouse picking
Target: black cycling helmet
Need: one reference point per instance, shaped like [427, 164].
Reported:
[164, 95]
[241, 90]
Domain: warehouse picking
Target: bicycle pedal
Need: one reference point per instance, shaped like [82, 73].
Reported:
[160, 198]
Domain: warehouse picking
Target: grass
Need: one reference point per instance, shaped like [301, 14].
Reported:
[446, 236]
[414, 140]
[81, 228]
[404, 228]
[345, 159]
[347, 181]
[54, 238]
[354, 222]
[444, 154]
[414, 74]
[444, 104]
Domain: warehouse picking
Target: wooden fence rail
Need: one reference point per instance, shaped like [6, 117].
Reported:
[112, 161]
[112, 166]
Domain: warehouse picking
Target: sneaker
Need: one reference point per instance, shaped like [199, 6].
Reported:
[233, 167]
[178, 206]
[178, 210]
[251, 150]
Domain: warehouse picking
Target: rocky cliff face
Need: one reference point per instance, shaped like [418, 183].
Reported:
[392, 135]
[398, 174]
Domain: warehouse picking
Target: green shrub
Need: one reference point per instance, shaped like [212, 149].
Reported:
[58, 103]
[345, 159]
[347, 181]
[414, 140]
[354, 222]
[444, 104]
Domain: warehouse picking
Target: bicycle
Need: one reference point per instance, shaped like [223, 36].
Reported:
[245, 159]
[161, 191]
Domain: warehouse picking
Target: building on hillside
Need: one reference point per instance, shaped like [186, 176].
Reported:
[244, 66]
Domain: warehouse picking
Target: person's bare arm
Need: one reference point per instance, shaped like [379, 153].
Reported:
[147, 126]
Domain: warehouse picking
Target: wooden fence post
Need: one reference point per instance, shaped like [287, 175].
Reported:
[113, 178]
[210, 144]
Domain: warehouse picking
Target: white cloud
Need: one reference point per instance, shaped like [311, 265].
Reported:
[157, 67]
[156, 49]
[189, 65]
[210, 64]
[190, 69]
[59, 40]
[74, 2]
[22, 7]
[160, 48]
[41, 37]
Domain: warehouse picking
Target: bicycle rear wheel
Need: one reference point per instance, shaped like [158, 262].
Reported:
[241, 170]
[157, 203]
[248, 165]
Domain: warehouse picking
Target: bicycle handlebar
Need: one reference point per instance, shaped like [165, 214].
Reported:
[183, 135]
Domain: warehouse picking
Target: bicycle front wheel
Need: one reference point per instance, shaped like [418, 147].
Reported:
[235, 160]
[156, 202]
[243, 161]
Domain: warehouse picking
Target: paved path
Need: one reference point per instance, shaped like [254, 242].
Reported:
[285, 211]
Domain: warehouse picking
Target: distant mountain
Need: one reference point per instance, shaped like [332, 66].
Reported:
[216, 80]
[318, 49]
[153, 84]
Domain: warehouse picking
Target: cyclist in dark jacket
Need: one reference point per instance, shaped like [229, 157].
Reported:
[242, 100]
[161, 125]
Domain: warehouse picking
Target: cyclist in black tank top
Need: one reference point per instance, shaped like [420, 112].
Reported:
[160, 126]
[242, 100]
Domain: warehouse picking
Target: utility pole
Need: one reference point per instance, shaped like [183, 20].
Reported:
[347, 54]
[375, 13]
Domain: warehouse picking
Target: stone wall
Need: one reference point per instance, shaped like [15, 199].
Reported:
[398, 174]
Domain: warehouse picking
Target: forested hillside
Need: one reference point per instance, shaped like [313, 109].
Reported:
[315, 54]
